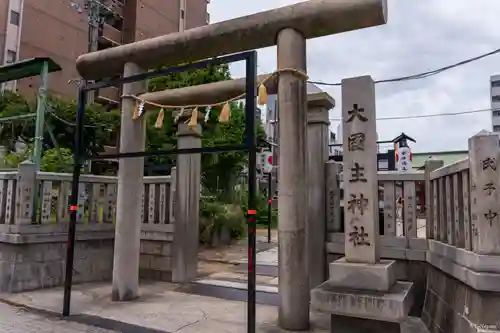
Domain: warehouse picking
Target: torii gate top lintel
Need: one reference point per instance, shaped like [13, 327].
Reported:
[313, 18]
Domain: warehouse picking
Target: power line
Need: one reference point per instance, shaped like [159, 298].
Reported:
[422, 75]
[431, 115]
[68, 123]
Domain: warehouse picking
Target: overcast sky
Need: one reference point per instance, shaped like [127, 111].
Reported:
[420, 35]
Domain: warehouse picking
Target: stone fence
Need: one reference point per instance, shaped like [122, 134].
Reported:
[455, 266]
[393, 184]
[34, 217]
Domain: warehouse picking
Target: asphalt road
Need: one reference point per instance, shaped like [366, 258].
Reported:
[16, 320]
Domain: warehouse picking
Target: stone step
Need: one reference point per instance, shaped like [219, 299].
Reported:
[269, 270]
[237, 280]
[237, 285]
[264, 258]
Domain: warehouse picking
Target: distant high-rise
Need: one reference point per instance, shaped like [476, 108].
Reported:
[495, 103]
[59, 29]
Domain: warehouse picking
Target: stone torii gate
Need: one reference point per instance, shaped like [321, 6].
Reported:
[288, 28]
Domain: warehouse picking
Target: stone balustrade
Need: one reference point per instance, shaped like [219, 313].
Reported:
[34, 217]
[400, 224]
[21, 192]
[455, 266]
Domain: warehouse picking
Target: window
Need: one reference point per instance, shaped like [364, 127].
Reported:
[496, 113]
[11, 56]
[495, 98]
[182, 14]
[14, 17]
[496, 128]
[495, 83]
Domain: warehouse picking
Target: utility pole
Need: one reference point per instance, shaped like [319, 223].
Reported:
[97, 12]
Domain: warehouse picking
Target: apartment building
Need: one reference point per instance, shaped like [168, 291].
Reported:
[59, 29]
[495, 103]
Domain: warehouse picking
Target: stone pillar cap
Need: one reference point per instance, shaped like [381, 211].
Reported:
[320, 100]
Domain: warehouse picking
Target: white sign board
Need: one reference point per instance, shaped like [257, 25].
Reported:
[404, 159]
[266, 161]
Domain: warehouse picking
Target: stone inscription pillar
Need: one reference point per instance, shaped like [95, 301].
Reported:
[187, 205]
[292, 193]
[317, 155]
[130, 183]
[333, 221]
[360, 170]
[485, 195]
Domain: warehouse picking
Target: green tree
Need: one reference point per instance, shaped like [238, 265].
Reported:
[52, 160]
[57, 161]
[219, 171]
[100, 126]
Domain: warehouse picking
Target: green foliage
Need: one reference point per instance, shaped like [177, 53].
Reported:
[100, 126]
[219, 171]
[261, 207]
[165, 138]
[191, 77]
[54, 162]
[217, 218]
[51, 161]
[13, 159]
[12, 104]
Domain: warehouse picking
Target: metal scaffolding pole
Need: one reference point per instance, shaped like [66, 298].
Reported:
[41, 106]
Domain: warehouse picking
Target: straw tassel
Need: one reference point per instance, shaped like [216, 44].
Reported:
[135, 114]
[159, 119]
[225, 113]
[262, 94]
[193, 121]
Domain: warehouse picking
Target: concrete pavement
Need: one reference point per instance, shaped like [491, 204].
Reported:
[14, 319]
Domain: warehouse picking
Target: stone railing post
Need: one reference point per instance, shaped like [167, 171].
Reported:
[187, 206]
[318, 105]
[173, 195]
[26, 193]
[359, 283]
[484, 191]
[333, 214]
[430, 166]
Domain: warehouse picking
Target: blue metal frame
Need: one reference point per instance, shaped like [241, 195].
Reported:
[249, 145]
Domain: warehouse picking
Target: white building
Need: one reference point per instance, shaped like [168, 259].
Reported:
[495, 103]
[335, 143]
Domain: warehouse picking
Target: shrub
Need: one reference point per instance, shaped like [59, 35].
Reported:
[261, 207]
[220, 222]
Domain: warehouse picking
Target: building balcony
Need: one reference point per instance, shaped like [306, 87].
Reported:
[110, 37]
[116, 6]
[107, 95]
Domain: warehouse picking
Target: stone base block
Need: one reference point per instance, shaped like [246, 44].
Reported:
[392, 306]
[343, 324]
[378, 277]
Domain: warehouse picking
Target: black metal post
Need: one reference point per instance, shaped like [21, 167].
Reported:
[269, 205]
[251, 142]
[77, 154]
